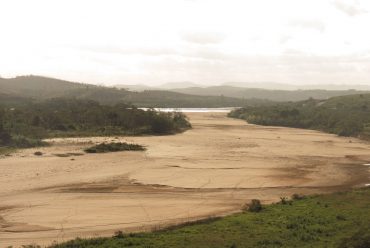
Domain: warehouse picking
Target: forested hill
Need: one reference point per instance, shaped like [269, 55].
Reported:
[35, 88]
[38, 87]
[267, 94]
[344, 115]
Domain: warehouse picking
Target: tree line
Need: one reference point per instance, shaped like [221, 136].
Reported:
[344, 115]
[73, 117]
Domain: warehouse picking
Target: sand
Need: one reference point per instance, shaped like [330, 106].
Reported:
[210, 170]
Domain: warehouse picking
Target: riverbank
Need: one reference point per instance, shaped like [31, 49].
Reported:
[212, 169]
[332, 220]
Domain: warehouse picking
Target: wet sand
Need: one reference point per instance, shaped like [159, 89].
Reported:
[210, 170]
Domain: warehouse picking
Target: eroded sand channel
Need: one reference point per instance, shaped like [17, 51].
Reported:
[210, 170]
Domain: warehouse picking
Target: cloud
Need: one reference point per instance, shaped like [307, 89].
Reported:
[291, 67]
[351, 10]
[308, 24]
[284, 39]
[205, 53]
[204, 38]
[146, 51]
[199, 53]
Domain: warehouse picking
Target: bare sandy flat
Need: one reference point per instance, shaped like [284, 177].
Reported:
[210, 170]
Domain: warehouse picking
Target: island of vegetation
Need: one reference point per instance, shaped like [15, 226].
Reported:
[114, 147]
[343, 115]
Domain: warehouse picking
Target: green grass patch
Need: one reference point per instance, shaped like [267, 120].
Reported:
[335, 220]
[114, 147]
[6, 150]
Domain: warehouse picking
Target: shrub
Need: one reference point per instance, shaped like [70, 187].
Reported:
[298, 197]
[118, 235]
[341, 217]
[114, 147]
[31, 246]
[284, 200]
[5, 138]
[254, 206]
[361, 239]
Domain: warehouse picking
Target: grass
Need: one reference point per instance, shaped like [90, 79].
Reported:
[334, 220]
[4, 150]
[114, 147]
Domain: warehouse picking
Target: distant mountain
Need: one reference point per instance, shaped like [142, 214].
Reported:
[363, 87]
[34, 88]
[280, 86]
[178, 85]
[40, 88]
[272, 95]
[135, 87]
[166, 86]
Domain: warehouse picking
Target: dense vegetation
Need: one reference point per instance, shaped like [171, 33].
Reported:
[336, 220]
[345, 115]
[25, 125]
[114, 147]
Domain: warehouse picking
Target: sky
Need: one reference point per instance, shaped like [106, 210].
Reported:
[203, 41]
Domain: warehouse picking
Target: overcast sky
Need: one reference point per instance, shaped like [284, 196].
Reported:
[208, 42]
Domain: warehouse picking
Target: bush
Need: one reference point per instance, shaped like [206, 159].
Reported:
[5, 138]
[118, 235]
[298, 197]
[361, 239]
[162, 124]
[341, 217]
[114, 147]
[284, 200]
[254, 206]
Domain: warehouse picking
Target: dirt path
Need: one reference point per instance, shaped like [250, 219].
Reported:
[210, 170]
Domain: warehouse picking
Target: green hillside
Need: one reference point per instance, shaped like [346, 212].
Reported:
[38, 87]
[344, 115]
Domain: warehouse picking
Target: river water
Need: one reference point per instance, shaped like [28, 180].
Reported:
[194, 110]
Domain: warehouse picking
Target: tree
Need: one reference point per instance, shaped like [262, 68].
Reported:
[5, 137]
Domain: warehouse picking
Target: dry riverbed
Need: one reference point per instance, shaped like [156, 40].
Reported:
[210, 170]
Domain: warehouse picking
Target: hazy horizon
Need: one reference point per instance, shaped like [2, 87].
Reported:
[189, 84]
[200, 41]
